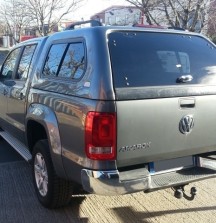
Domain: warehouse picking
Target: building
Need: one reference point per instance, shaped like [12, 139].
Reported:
[119, 15]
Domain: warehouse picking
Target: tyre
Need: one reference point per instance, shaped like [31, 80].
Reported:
[52, 191]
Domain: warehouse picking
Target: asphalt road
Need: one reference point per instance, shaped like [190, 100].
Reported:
[18, 202]
[7, 153]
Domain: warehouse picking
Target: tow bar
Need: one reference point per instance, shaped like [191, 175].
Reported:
[179, 192]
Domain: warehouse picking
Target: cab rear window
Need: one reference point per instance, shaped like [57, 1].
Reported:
[156, 59]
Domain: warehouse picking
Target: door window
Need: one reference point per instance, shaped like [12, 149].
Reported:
[25, 62]
[10, 63]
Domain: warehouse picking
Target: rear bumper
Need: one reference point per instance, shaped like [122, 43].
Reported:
[109, 183]
[115, 183]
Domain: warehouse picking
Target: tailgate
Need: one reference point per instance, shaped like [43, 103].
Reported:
[157, 129]
[164, 83]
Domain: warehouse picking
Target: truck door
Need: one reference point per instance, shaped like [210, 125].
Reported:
[16, 99]
[6, 81]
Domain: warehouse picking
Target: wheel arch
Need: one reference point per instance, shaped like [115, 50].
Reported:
[41, 123]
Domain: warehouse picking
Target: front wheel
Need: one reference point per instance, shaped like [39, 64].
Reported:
[52, 191]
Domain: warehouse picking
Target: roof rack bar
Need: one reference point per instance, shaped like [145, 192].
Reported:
[92, 22]
[176, 28]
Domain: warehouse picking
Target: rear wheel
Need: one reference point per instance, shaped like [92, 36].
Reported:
[51, 190]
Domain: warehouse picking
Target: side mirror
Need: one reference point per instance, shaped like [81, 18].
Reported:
[9, 74]
[9, 83]
[6, 75]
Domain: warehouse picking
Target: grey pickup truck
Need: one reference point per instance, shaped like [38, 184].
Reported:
[116, 110]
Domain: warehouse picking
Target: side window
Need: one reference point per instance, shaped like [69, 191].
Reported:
[10, 63]
[53, 60]
[23, 69]
[65, 61]
[73, 64]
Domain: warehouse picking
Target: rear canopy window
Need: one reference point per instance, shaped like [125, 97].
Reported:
[65, 60]
[155, 59]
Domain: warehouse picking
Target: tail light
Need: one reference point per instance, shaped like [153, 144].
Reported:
[100, 136]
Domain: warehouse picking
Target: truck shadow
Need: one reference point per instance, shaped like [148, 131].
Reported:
[129, 215]
[71, 213]
[18, 201]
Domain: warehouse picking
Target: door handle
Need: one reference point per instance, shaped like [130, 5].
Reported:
[187, 103]
[21, 96]
[184, 79]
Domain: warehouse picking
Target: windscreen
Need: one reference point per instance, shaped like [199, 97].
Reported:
[155, 59]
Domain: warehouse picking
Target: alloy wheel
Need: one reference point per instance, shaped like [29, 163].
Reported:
[41, 174]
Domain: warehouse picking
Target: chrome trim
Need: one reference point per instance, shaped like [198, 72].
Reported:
[108, 183]
[115, 183]
[171, 170]
[186, 124]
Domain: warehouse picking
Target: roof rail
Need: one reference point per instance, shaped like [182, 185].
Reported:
[147, 26]
[92, 23]
[176, 28]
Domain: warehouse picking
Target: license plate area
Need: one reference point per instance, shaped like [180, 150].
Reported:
[169, 165]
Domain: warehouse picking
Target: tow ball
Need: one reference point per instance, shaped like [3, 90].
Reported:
[179, 192]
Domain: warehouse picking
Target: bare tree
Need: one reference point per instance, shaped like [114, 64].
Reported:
[15, 17]
[187, 14]
[148, 9]
[42, 15]
[190, 15]
[47, 13]
[211, 28]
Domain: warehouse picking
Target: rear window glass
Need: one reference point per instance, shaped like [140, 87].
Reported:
[154, 59]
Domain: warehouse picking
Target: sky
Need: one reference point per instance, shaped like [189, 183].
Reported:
[90, 7]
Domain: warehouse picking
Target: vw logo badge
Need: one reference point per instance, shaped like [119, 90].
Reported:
[186, 124]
